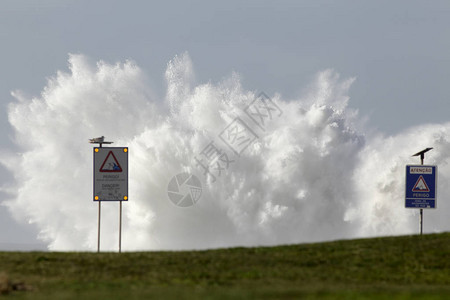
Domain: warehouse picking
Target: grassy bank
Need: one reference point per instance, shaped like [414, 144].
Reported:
[407, 267]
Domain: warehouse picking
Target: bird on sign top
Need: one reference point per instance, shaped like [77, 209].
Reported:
[97, 140]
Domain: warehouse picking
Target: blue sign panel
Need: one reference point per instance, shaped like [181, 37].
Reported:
[420, 186]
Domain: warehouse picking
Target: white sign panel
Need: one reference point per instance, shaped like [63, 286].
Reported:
[110, 174]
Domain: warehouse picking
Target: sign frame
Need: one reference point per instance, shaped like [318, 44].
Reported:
[110, 174]
[421, 186]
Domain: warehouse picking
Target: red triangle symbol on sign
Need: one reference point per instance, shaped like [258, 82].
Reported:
[110, 164]
[421, 185]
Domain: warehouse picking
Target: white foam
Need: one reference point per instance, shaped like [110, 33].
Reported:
[310, 175]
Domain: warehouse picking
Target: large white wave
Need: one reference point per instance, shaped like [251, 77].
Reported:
[303, 169]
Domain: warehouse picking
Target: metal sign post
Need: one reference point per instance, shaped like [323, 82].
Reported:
[120, 226]
[421, 186]
[99, 216]
[110, 179]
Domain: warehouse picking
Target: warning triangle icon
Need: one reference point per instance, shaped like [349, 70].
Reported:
[421, 185]
[110, 164]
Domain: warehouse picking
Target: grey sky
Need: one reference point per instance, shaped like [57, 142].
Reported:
[399, 51]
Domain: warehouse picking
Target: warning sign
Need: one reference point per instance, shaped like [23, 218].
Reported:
[111, 164]
[110, 174]
[421, 185]
[420, 189]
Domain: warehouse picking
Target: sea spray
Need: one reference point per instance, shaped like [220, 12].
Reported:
[308, 174]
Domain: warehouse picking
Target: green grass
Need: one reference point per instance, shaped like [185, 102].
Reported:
[407, 267]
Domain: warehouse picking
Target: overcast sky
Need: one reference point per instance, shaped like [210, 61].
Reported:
[398, 51]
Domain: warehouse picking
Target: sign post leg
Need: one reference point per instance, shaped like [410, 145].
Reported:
[421, 221]
[120, 227]
[422, 157]
[99, 216]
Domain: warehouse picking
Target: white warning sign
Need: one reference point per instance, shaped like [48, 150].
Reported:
[111, 164]
[110, 174]
[421, 185]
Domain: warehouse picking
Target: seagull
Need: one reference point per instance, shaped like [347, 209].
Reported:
[97, 140]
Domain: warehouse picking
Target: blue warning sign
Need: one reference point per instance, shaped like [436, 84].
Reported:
[420, 186]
